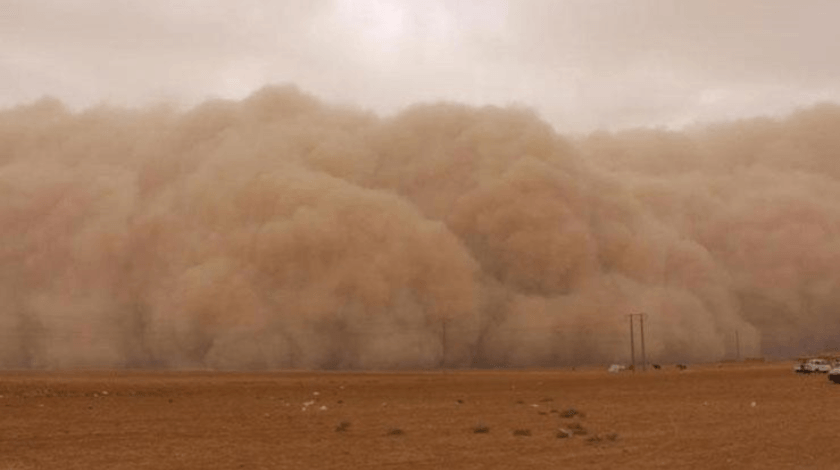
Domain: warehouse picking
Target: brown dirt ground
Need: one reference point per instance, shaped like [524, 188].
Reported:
[699, 418]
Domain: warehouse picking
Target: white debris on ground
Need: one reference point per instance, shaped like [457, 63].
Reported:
[616, 368]
[564, 433]
[305, 405]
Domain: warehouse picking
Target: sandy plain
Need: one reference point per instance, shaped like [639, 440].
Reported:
[703, 417]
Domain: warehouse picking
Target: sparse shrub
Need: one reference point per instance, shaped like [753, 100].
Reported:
[395, 432]
[522, 432]
[481, 428]
[571, 413]
[612, 437]
[342, 426]
[520, 402]
[577, 429]
[546, 400]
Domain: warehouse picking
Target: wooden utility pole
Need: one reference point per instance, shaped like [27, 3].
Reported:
[443, 344]
[641, 316]
[632, 345]
[642, 331]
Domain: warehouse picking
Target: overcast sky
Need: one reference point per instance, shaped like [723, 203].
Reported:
[583, 64]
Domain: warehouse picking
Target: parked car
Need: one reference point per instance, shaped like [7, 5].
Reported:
[616, 368]
[813, 365]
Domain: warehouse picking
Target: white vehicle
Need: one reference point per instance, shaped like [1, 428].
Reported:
[814, 365]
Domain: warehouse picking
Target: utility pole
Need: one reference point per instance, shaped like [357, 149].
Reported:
[642, 331]
[632, 345]
[641, 316]
[443, 344]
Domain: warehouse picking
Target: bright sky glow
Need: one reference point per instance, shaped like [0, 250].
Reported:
[581, 64]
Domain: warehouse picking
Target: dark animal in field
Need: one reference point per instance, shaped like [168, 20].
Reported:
[682, 366]
[657, 366]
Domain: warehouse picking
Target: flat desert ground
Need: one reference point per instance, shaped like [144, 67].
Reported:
[757, 415]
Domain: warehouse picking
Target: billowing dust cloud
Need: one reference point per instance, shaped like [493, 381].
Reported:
[282, 232]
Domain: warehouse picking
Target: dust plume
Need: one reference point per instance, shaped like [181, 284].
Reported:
[280, 231]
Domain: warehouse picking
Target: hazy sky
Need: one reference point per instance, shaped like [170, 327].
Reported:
[583, 64]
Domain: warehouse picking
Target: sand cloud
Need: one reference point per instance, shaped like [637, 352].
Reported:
[281, 231]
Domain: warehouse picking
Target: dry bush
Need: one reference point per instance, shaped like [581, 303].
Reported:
[521, 432]
[342, 426]
[577, 429]
[571, 413]
[594, 439]
[481, 428]
[395, 432]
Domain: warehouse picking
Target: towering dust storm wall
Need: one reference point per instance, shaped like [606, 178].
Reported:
[282, 232]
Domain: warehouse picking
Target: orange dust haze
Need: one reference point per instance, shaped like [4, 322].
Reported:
[282, 232]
